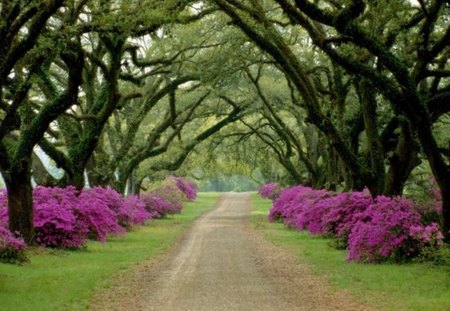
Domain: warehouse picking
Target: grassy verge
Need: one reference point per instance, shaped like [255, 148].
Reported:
[64, 280]
[387, 286]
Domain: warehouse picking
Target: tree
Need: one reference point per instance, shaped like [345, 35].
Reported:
[415, 84]
[25, 32]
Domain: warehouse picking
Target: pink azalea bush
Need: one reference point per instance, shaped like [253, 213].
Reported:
[158, 207]
[56, 221]
[169, 191]
[187, 187]
[66, 218]
[270, 191]
[128, 212]
[345, 213]
[101, 220]
[371, 230]
[12, 249]
[384, 231]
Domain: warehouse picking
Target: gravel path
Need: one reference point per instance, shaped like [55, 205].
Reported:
[222, 265]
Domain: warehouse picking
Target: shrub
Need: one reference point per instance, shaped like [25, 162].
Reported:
[187, 187]
[114, 201]
[138, 212]
[385, 233]
[292, 203]
[158, 207]
[270, 191]
[12, 249]
[345, 213]
[314, 206]
[371, 230]
[100, 219]
[56, 222]
[170, 192]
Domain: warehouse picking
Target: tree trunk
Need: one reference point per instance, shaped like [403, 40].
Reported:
[20, 201]
[77, 179]
[402, 161]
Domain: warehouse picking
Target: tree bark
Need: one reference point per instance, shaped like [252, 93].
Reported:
[20, 200]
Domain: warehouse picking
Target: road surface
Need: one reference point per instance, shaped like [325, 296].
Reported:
[222, 265]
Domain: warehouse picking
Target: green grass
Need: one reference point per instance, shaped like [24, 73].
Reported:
[64, 280]
[387, 286]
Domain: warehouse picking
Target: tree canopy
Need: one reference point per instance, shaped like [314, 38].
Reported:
[342, 95]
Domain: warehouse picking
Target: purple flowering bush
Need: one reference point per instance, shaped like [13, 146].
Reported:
[12, 249]
[371, 230]
[65, 218]
[345, 213]
[384, 231]
[169, 191]
[56, 222]
[187, 187]
[292, 204]
[101, 220]
[139, 213]
[158, 207]
[270, 191]
[128, 212]
[3, 208]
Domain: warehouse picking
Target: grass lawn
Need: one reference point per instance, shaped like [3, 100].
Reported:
[387, 286]
[64, 280]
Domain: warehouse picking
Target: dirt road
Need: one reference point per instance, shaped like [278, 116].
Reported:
[221, 265]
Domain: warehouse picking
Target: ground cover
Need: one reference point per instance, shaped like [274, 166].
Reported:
[411, 286]
[64, 280]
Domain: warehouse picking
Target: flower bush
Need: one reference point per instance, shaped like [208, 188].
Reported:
[371, 230]
[12, 249]
[169, 191]
[385, 231]
[101, 220]
[158, 207]
[270, 191]
[3, 208]
[346, 212]
[139, 213]
[128, 212]
[66, 218]
[56, 222]
[187, 187]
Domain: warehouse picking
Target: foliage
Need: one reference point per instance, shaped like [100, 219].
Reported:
[270, 191]
[56, 222]
[389, 228]
[102, 220]
[158, 207]
[188, 187]
[129, 212]
[65, 218]
[169, 191]
[373, 230]
[12, 249]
